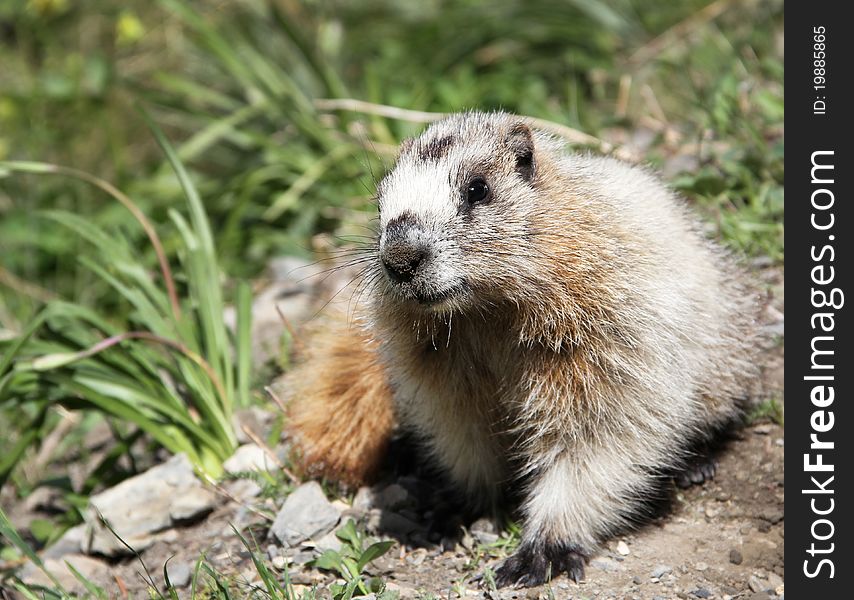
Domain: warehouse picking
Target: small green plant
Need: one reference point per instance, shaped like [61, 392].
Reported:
[350, 562]
[504, 546]
[771, 408]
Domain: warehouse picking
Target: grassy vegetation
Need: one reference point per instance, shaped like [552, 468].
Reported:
[119, 252]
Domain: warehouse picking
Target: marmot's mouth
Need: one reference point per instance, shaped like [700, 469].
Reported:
[432, 298]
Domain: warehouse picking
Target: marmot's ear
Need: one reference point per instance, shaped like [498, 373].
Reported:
[521, 144]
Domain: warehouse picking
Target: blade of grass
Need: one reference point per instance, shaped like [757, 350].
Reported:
[244, 342]
[8, 532]
[46, 168]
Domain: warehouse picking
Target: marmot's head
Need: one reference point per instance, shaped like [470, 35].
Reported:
[454, 211]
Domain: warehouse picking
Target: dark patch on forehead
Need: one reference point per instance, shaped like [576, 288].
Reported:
[435, 149]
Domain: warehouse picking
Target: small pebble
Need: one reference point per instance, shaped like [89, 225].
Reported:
[701, 566]
[757, 585]
[735, 557]
[774, 581]
[623, 548]
[279, 562]
[179, 574]
[660, 570]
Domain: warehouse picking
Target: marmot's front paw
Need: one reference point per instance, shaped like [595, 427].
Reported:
[534, 564]
[697, 472]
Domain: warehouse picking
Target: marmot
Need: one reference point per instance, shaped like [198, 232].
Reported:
[548, 325]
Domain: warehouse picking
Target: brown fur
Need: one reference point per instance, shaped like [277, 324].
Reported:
[340, 407]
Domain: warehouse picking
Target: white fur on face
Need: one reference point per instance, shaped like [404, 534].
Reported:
[423, 190]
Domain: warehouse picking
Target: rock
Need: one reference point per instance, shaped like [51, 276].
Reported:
[242, 489]
[255, 419]
[701, 566]
[660, 570]
[94, 570]
[701, 593]
[302, 558]
[71, 542]
[485, 538]
[772, 514]
[179, 573]
[293, 291]
[306, 513]
[774, 582]
[329, 541]
[279, 562]
[164, 496]
[735, 557]
[363, 501]
[757, 585]
[248, 458]
[484, 531]
[622, 548]
[637, 580]
[759, 596]
[417, 556]
[607, 564]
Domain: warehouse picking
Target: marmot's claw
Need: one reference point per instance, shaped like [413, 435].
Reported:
[530, 566]
[697, 472]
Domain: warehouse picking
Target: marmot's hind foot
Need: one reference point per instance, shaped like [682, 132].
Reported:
[533, 565]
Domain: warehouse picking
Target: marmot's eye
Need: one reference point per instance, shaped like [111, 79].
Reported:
[477, 191]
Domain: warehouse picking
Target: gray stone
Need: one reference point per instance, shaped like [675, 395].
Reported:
[140, 507]
[242, 489]
[71, 542]
[609, 565]
[772, 515]
[484, 531]
[302, 558]
[92, 569]
[661, 570]
[329, 541]
[757, 585]
[363, 501]
[179, 573]
[292, 292]
[774, 581]
[248, 458]
[256, 420]
[735, 557]
[306, 513]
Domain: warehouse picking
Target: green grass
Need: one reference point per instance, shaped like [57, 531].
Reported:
[770, 409]
[171, 368]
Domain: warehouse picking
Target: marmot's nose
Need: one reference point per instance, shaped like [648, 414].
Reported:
[401, 259]
[404, 248]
